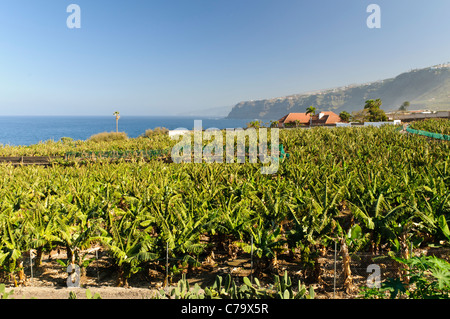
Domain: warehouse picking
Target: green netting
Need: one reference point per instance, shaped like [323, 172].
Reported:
[143, 153]
[428, 134]
[118, 154]
[282, 152]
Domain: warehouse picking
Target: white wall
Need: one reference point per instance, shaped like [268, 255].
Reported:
[378, 124]
[178, 132]
[343, 124]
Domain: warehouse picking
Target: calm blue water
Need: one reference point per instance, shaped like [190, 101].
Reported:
[27, 130]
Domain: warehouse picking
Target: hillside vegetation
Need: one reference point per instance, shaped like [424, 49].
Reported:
[367, 189]
[425, 88]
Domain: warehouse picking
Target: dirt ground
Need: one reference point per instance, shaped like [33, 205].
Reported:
[49, 281]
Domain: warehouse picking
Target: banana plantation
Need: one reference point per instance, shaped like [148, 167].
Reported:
[366, 190]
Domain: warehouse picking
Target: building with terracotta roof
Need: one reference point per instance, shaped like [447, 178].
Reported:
[326, 118]
[323, 118]
[293, 118]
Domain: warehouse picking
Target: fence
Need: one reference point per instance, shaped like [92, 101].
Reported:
[428, 134]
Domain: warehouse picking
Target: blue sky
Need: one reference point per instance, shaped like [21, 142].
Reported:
[163, 57]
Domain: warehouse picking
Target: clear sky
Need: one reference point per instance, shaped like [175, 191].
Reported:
[162, 57]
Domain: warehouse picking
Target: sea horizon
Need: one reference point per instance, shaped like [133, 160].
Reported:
[27, 130]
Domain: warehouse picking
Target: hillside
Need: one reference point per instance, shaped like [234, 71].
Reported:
[427, 88]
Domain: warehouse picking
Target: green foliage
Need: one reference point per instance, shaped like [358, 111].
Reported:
[3, 293]
[376, 114]
[440, 126]
[345, 116]
[73, 295]
[90, 296]
[373, 104]
[404, 106]
[429, 277]
[181, 291]
[66, 140]
[107, 137]
[367, 185]
[157, 131]
[226, 288]
[282, 288]
[255, 124]
[274, 123]
[426, 277]
[128, 241]
[311, 110]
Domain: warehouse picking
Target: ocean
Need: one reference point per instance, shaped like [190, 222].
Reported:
[28, 130]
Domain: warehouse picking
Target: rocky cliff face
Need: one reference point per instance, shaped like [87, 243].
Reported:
[425, 89]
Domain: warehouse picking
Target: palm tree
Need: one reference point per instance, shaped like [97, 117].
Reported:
[116, 114]
[311, 110]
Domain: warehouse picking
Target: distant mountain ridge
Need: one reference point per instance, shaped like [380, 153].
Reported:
[427, 88]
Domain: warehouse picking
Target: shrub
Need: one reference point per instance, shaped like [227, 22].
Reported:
[107, 137]
[156, 131]
[66, 140]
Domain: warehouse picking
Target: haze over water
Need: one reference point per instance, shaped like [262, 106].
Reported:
[28, 130]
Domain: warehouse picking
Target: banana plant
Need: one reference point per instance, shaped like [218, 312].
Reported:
[267, 243]
[43, 230]
[314, 224]
[129, 242]
[76, 233]
[229, 223]
[380, 220]
[181, 227]
[14, 242]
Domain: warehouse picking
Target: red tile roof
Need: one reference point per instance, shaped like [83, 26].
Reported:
[292, 117]
[327, 118]
[303, 118]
